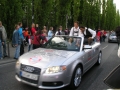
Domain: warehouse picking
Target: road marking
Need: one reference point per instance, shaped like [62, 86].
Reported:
[105, 47]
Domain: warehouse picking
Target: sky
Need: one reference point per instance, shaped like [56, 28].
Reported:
[117, 2]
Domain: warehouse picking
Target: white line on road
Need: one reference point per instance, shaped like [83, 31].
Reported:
[105, 47]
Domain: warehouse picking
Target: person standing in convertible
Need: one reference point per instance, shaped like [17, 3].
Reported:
[75, 31]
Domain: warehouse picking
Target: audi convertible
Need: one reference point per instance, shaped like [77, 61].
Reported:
[61, 62]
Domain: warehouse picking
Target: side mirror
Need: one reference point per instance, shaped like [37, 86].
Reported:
[87, 47]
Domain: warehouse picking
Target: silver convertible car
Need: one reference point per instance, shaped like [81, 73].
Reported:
[62, 61]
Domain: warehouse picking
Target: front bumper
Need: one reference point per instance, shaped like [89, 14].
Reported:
[47, 81]
[112, 40]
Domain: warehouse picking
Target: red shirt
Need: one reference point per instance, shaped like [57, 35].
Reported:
[99, 33]
[36, 40]
[33, 30]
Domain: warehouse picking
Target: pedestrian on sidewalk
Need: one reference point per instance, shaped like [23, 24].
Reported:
[60, 31]
[4, 37]
[21, 38]
[45, 31]
[50, 33]
[37, 27]
[30, 41]
[16, 41]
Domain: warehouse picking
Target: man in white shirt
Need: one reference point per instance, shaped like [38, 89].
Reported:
[75, 31]
[88, 33]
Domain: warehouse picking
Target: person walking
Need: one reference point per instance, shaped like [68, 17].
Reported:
[21, 38]
[50, 33]
[4, 37]
[60, 31]
[98, 35]
[16, 41]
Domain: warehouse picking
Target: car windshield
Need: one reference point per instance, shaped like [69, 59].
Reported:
[64, 43]
[113, 34]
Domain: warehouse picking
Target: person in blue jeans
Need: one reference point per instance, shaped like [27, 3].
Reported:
[21, 31]
[16, 42]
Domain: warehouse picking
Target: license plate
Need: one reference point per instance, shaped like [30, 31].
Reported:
[29, 75]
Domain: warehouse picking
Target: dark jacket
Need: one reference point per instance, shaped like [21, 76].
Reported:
[88, 34]
[1, 37]
[117, 30]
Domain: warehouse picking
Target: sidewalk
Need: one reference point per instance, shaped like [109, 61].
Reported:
[10, 59]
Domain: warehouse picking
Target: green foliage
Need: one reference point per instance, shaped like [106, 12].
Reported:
[91, 13]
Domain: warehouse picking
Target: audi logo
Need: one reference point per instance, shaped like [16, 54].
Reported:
[29, 69]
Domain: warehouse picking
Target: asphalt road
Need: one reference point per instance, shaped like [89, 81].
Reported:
[92, 80]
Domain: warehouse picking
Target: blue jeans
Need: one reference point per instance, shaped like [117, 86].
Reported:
[4, 49]
[29, 47]
[1, 49]
[17, 52]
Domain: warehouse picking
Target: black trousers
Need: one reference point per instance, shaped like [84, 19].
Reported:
[35, 46]
[22, 48]
[118, 39]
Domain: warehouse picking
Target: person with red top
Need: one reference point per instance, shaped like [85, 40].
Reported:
[98, 34]
[103, 35]
[33, 29]
[39, 39]
[26, 36]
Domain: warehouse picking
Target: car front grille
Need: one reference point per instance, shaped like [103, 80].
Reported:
[30, 69]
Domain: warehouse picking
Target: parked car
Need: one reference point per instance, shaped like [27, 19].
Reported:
[112, 38]
[61, 62]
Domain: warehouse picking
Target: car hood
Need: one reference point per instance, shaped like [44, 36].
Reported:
[44, 58]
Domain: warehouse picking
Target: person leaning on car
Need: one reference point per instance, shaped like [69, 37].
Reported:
[88, 33]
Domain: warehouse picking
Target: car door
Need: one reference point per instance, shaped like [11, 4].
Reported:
[87, 58]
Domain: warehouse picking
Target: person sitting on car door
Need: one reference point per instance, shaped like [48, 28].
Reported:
[88, 33]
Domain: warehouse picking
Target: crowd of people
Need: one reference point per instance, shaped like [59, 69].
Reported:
[34, 37]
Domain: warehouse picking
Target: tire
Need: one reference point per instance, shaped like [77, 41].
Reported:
[76, 78]
[99, 58]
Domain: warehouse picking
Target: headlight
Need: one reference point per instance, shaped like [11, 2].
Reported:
[55, 69]
[18, 64]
